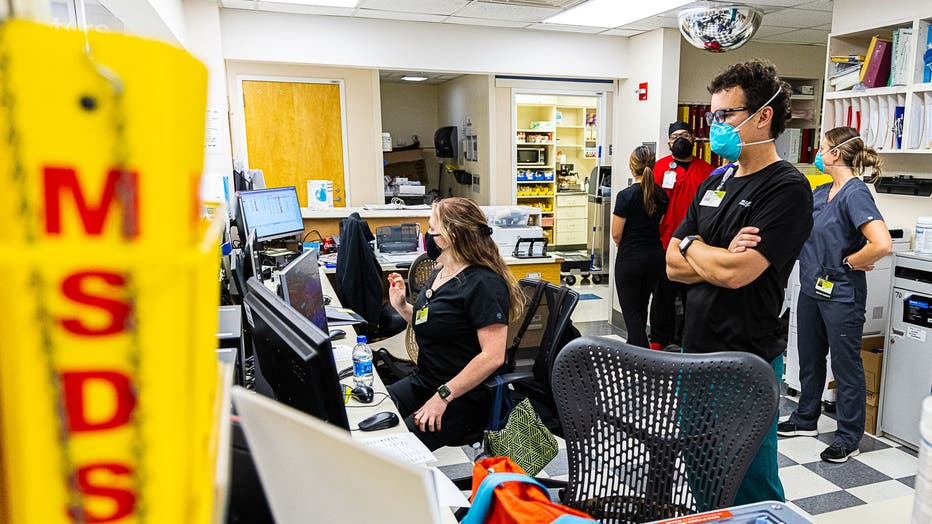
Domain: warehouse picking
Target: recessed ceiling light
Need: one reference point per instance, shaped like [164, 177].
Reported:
[612, 13]
[320, 3]
[413, 78]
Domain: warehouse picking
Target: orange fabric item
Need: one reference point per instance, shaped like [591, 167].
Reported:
[517, 502]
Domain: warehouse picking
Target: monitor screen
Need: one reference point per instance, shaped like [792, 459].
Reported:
[273, 213]
[293, 356]
[301, 288]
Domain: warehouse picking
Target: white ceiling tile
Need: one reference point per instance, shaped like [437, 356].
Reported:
[621, 32]
[305, 9]
[800, 36]
[507, 12]
[393, 15]
[773, 3]
[800, 18]
[647, 24]
[824, 27]
[819, 5]
[238, 4]
[567, 28]
[766, 31]
[484, 22]
[434, 7]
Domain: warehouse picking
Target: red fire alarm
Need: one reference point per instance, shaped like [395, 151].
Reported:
[642, 91]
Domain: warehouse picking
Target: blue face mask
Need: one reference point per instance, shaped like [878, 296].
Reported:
[819, 162]
[724, 138]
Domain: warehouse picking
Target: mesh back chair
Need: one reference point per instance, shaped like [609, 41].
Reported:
[653, 435]
[418, 275]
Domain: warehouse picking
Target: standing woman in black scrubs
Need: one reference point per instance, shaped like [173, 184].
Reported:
[636, 230]
[460, 322]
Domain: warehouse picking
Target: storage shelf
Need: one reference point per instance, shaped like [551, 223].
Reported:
[905, 151]
[524, 166]
[571, 145]
[536, 143]
[534, 181]
[802, 97]
[559, 126]
[535, 196]
[536, 130]
[876, 91]
[921, 88]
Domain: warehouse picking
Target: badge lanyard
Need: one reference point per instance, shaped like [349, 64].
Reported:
[713, 198]
[824, 287]
[420, 316]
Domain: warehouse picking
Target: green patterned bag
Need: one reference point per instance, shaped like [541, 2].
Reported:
[523, 438]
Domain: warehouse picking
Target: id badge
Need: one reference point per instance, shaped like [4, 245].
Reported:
[823, 287]
[669, 179]
[712, 198]
[420, 316]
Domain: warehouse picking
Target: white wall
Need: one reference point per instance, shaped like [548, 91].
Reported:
[412, 109]
[698, 67]
[653, 58]
[469, 96]
[389, 44]
[855, 15]
[158, 19]
[202, 24]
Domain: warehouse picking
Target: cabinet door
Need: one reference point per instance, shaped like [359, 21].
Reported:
[294, 133]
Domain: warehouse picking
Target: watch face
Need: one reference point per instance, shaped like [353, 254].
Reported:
[443, 391]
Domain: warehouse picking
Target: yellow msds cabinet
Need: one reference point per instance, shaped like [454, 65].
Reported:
[108, 378]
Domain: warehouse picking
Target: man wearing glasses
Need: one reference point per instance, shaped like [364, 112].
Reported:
[742, 232]
[679, 174]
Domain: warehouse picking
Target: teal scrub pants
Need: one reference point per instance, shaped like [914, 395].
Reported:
[762, 481]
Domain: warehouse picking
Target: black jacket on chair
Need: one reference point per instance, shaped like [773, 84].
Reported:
[359, 275]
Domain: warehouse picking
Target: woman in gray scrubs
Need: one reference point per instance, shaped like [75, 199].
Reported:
[848, 236]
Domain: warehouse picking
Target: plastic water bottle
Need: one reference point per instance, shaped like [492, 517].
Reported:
[922, 504]
[362, 362]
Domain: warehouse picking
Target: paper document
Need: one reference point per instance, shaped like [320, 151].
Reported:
[342, 352]
[404, 447]
[447, 492]
[397, 258]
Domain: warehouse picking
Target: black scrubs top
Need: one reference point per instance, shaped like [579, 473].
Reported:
[447, 339]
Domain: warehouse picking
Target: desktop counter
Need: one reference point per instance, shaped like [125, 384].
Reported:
[327, 221]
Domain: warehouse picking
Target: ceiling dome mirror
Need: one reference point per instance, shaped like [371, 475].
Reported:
[719, 29]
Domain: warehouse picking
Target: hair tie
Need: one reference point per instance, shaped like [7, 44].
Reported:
[487, 231]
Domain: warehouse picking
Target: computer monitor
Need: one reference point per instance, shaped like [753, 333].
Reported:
[252, 266]
[294, 357]
[273, 213]
[300, 287]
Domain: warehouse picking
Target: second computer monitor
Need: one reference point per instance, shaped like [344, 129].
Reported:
[301, 288]
[272, 213]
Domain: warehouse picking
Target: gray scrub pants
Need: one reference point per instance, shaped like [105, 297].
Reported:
[825, 324]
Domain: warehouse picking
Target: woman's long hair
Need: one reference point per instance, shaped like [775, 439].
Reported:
[463, 225]
[642, 165]
[855, 153]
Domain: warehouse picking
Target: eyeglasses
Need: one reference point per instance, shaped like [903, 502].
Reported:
[720, 115]
[685, 134]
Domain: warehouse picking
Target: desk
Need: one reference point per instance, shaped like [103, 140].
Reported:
[357, 411]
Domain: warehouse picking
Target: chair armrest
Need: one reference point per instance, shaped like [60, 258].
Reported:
[509, 378]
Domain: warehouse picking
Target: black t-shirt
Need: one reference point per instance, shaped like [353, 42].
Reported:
[778, 200]
[447, 340]
[641, 231]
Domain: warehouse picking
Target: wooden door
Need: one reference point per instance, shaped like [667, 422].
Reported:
[294, 133]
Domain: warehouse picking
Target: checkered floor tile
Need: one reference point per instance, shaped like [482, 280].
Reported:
[884, 471]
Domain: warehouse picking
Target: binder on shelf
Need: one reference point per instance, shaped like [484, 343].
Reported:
[899, 113]
[876, 68]
[846, 80]
[902, 43]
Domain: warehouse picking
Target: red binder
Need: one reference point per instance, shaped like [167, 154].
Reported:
[876, 69]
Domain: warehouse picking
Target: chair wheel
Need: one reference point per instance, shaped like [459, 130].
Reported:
[569, 279]
[791, 392]
[596, 279]
[828, 407]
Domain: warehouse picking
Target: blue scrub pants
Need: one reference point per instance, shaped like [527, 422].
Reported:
[762, 481]
[825, 324]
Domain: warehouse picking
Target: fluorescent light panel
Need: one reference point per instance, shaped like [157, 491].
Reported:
[414, 78]
[319, 3]
[613, 13]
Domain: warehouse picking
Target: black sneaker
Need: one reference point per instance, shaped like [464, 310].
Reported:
[838, 454]
[790, 429]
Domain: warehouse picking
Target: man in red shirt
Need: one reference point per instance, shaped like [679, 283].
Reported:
[679, 175]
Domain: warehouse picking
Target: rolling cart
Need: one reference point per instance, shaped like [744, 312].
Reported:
[600, 209]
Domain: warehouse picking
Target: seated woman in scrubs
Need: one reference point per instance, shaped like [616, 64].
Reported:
[848, 236]
[460, 321]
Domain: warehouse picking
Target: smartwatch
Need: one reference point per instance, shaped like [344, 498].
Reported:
[686, 242]
[847, 265]
[444, 392]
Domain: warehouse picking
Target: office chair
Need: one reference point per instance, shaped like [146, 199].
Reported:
[418, 275]
[529, 365]
[653, 435]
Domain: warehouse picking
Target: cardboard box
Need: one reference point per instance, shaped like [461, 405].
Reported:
[871, 398]
[870, 420]
[872, 356]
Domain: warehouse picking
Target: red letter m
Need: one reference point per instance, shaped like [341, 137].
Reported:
[60, 179]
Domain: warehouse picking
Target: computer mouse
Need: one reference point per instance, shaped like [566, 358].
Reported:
[337, 334]
[363, 394]
[382, 420]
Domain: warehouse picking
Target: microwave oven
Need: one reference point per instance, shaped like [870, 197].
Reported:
[532, 156]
